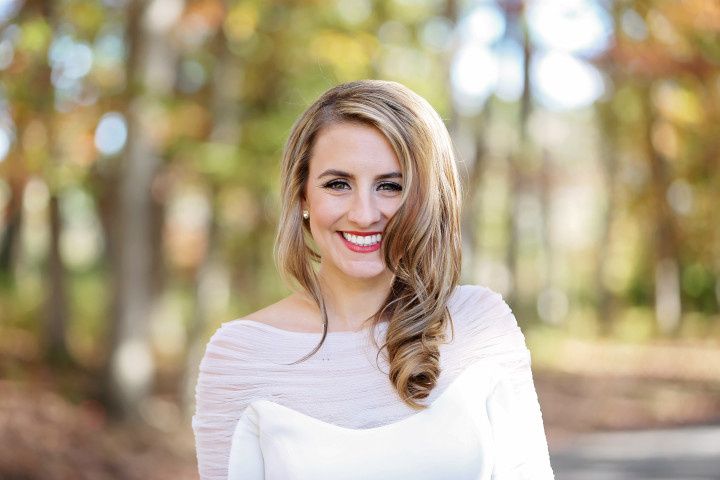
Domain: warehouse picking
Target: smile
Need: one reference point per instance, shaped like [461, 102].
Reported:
[362, 240]
[361, 243]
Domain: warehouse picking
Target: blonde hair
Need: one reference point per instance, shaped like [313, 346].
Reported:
[421, 242]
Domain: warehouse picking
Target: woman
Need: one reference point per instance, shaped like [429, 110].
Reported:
[379, 366]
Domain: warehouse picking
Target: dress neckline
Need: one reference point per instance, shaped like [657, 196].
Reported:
[485, 367]
[338, 333]
[283, 331]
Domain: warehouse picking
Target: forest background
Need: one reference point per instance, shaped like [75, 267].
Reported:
[140, 144]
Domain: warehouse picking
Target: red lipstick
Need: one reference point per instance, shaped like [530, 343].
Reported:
[362, 234]
[361, 248]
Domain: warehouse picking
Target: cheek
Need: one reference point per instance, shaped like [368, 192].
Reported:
[326, 214]
[391, 207]
[329, 208]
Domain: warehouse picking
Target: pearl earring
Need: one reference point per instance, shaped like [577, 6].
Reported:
[306, 214]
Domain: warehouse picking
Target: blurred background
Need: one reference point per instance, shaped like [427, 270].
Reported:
[140, 144]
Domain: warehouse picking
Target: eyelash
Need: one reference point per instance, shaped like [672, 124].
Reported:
[394, 186]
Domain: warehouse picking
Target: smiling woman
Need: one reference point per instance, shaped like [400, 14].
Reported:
[369, 240]
[350, 202]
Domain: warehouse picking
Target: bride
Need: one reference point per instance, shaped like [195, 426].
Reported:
[379, 365]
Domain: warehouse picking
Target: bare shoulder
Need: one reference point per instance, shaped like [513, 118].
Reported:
[294, 312]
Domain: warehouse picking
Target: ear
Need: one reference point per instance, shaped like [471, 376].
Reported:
[303, 203]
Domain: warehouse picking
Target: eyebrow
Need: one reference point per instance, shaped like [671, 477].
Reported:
[340, 173]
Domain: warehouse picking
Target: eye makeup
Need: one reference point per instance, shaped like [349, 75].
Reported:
[331, 185]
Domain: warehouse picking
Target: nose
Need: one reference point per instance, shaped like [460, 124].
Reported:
[364, 210]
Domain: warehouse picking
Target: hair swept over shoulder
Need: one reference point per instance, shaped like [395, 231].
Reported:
[421, 242]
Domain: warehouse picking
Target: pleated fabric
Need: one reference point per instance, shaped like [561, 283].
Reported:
[244, 375]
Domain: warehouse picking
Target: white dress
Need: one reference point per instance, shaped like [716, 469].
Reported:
[337, 416]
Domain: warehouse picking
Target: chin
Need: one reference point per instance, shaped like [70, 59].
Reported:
[365, 273]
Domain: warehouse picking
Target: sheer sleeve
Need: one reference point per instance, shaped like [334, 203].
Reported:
[492, 333]
[227, 382]
[243, 362]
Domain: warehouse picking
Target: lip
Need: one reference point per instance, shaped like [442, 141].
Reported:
[359, 248]
[362, 234]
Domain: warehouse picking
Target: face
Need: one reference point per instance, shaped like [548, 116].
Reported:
[353, 189]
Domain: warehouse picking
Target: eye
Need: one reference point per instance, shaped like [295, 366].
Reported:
[390, 186]
[332, 184]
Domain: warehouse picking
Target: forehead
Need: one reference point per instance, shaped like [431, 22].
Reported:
[354, 147]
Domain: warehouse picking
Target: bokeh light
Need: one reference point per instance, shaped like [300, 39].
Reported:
[578, 26]
[484, 24]
[5, 143]
[354, 12]
[511, 82]
[585, 139]
[71, 60]
[8, 9]
[474, 76]
[7, 52]
[111, 133]
[437, 34]
[563, 82]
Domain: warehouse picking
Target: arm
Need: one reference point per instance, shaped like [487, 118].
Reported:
[246, 458]
[489, 331]
[227, 382]
[517, 426]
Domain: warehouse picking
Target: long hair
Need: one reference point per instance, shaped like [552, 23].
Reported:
[421, 243]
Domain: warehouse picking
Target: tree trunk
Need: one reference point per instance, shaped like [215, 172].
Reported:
[131, 368]
[10, 240]
[55, 318]
[472, 218]
[668, 306]
[54, 344]
[608, 163]
[225, 107]
[550, 312]
[470, 165]
[518, 26]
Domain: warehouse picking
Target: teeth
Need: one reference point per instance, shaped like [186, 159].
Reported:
[363, 241]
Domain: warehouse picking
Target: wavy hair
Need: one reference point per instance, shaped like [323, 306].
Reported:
[422, 240]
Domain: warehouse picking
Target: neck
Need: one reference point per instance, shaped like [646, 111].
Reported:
[350, 303]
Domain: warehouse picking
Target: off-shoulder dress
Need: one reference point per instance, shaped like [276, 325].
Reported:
[337, 416]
